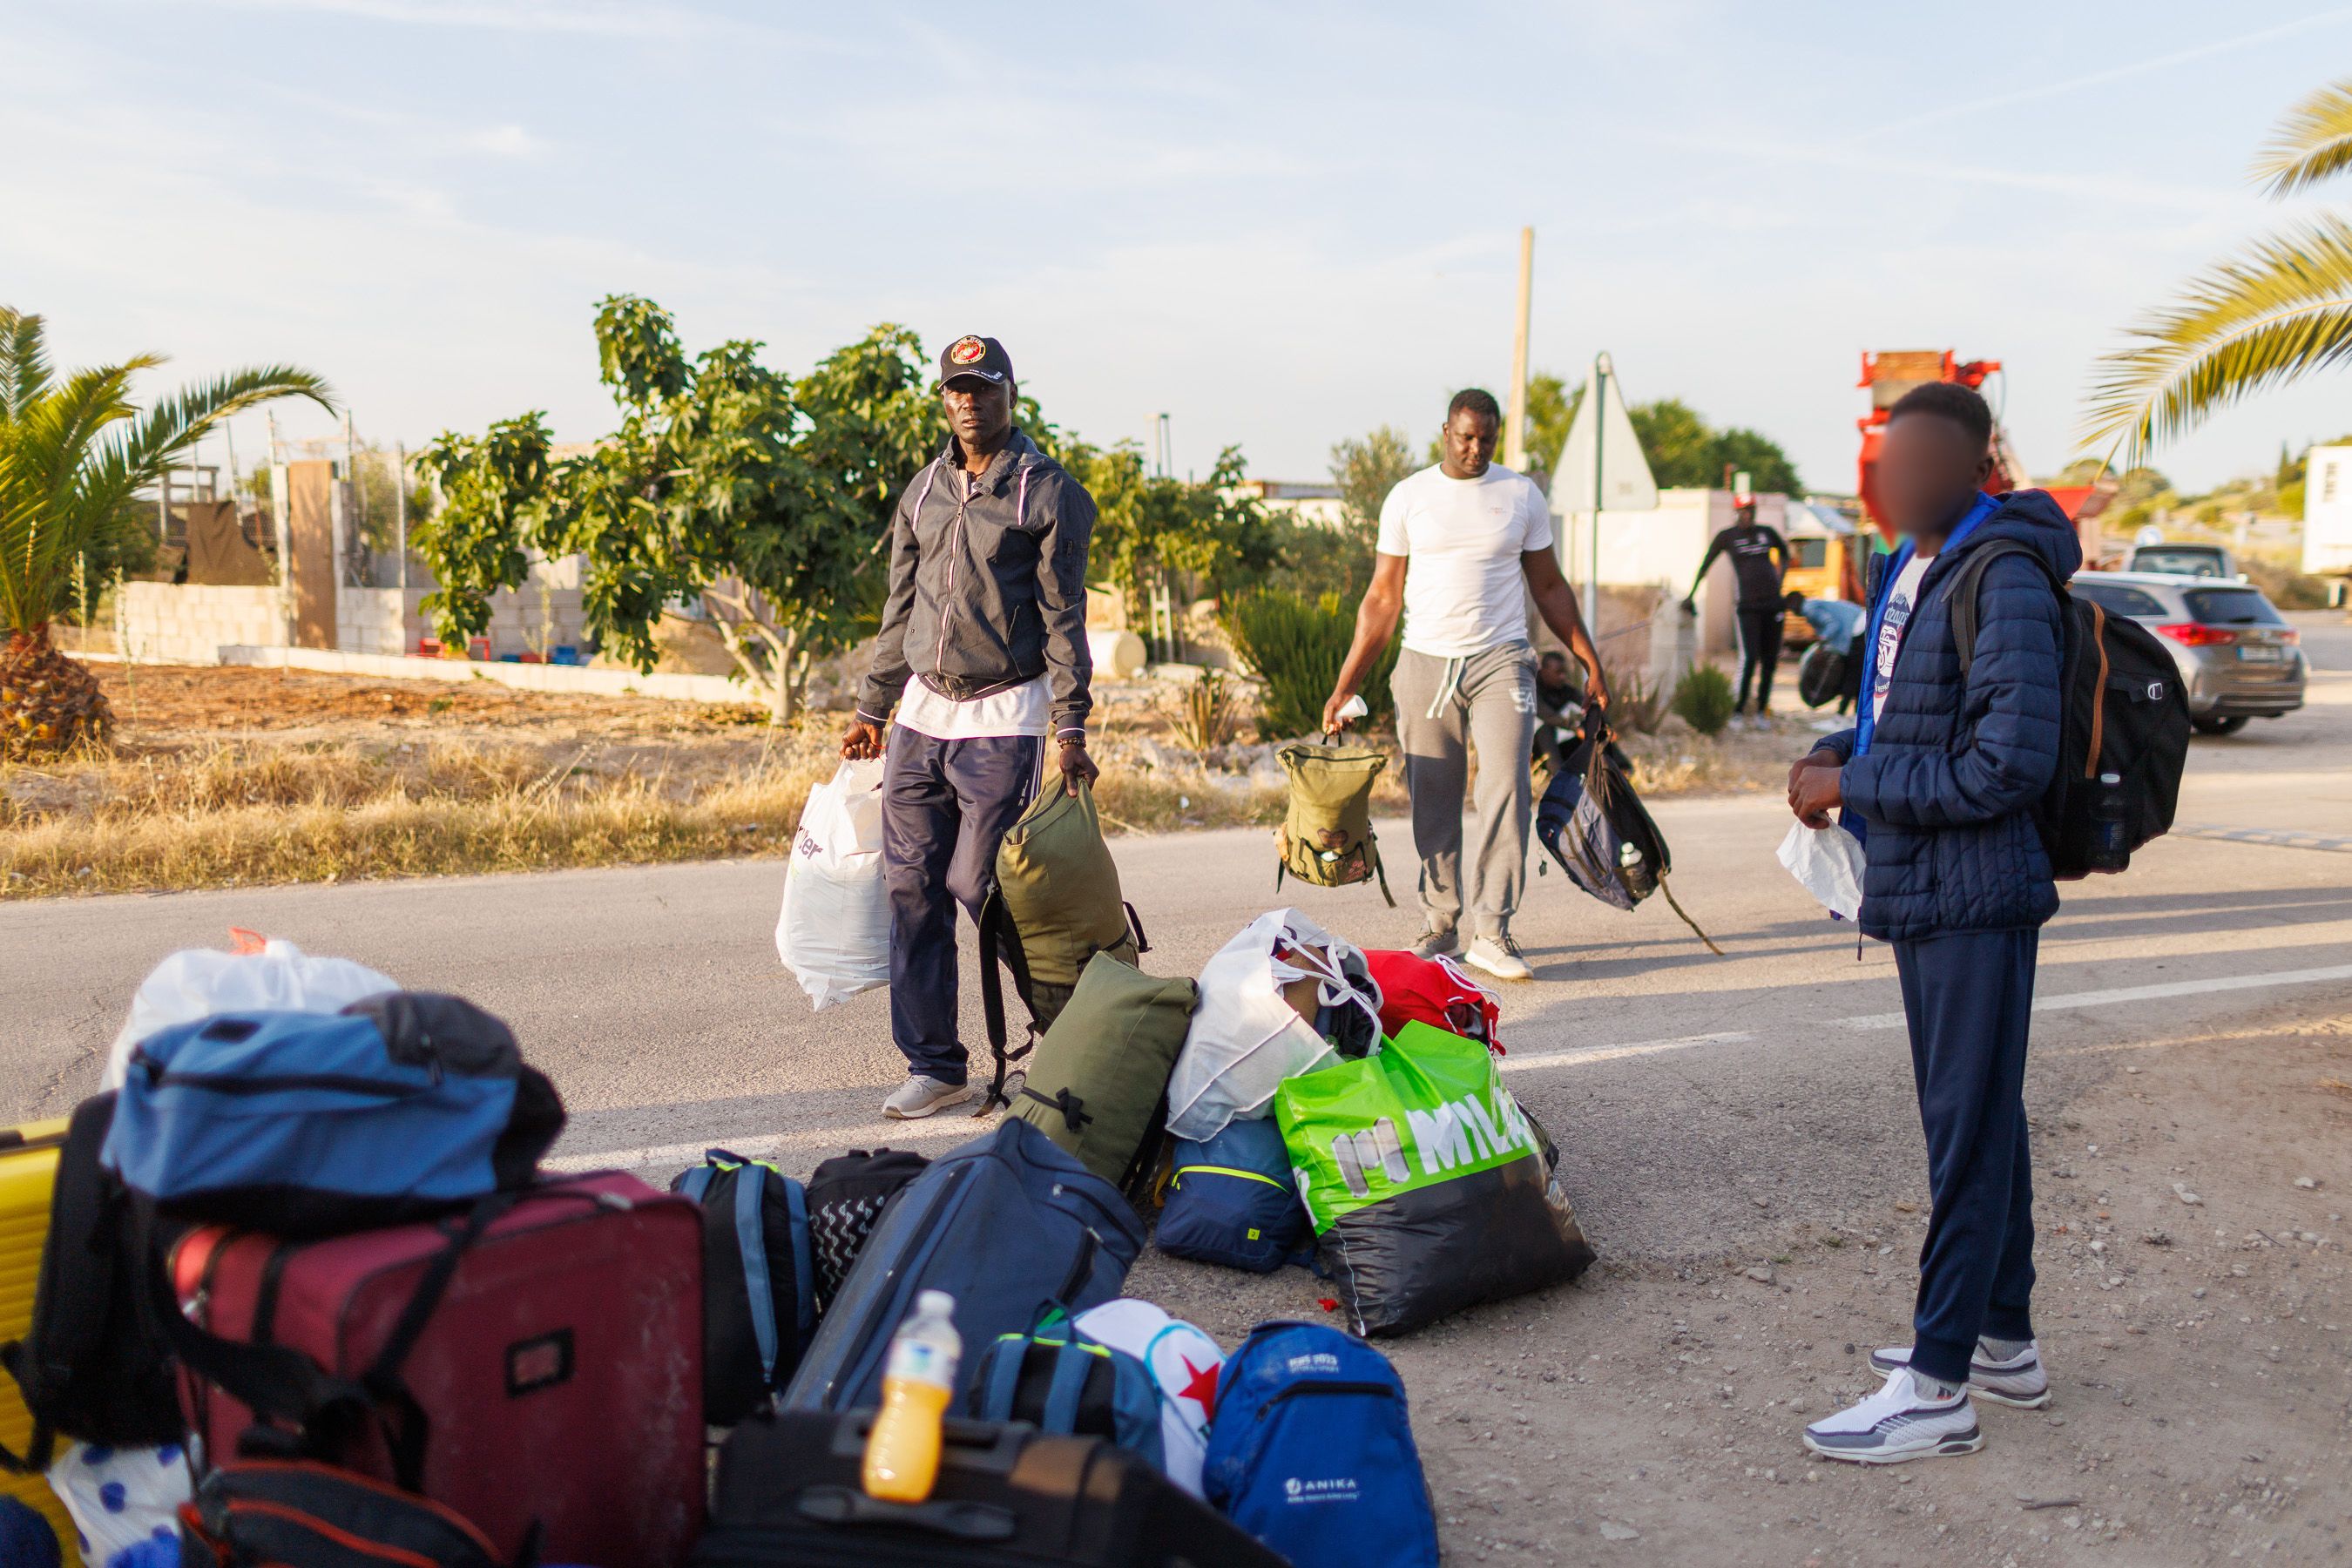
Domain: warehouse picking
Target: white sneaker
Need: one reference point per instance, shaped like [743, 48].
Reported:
[1896, 1424]
[921, 1096]
[1498, 956]
[2020, 1381]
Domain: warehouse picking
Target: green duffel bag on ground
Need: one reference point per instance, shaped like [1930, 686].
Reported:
[1057, 904]
[1098, 1082]
[1429, 1189]
[1327, 837]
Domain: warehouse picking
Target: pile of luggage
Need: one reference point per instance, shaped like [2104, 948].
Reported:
[306, 1297]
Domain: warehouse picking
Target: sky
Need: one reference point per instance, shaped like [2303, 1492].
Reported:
[1280, 224]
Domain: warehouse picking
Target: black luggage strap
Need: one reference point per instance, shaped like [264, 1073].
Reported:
[848, 1507]
[1000, 941]
[1073, 1114]
[278, 1383]
[1135, 926]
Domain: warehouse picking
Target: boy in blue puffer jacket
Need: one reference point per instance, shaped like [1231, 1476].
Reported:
[1941, 779]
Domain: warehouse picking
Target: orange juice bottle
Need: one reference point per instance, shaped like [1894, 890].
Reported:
[902, 1452]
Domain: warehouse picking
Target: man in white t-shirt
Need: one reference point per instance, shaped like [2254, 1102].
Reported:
[1461, 547]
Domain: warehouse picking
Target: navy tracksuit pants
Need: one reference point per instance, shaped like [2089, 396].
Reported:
[1968, 998]
[945, 807]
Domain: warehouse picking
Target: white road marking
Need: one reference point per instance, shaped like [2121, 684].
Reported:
[1614, 1053]
[955, 1125]
[2143, 993]
[2282, 838]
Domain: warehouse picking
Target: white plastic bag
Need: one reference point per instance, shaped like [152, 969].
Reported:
[1244, 1039]
[834, 933]
[275, 977]
[1828, 861]
[120, 1496]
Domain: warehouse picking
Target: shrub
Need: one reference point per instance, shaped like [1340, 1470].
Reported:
[1703, 699]
[1204, 711]
[1296, 645]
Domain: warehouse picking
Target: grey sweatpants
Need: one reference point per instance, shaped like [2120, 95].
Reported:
[1445, 707]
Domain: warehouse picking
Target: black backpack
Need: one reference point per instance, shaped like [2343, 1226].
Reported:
[759, 1281]
[846, 1196]
[2125, 712]
[91, 1366]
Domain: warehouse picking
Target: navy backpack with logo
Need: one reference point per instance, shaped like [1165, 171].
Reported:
[1065, 1383]
[1311, 1452]
[1230, 1200]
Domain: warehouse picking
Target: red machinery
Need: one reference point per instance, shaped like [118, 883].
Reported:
[1890, 374]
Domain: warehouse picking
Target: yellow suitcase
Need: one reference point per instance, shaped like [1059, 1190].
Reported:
[29, 1169]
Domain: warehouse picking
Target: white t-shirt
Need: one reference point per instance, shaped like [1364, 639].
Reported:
[1466, 589]
[1023, 709]
[1901, 600]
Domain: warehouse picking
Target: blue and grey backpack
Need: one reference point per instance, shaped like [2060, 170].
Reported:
[1231, 1201]
[1311, 1452]
[1067, 1384]
[759, 1281]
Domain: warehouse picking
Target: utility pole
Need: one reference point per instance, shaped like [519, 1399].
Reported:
[1515, 420]
[1599, 390]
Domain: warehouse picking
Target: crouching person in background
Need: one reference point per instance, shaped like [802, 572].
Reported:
[983, 652]
[1940, 778]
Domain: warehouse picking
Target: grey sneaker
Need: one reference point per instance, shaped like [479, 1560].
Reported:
[1435, 944]
[921, 1096]
[1498, 956]
[1896, 1424]
[2020, 1381]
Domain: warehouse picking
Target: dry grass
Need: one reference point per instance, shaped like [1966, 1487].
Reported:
[238, 778]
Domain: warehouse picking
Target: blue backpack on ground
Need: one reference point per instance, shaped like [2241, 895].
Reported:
[759, 1280]
[1230, 1200]
[402, 1107]
[1007, 1224]
[1311, 1452]
[1065, 1383]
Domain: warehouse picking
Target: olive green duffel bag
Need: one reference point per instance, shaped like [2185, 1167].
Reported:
[1326, 835]
[1056, 905]
[1098, 1080]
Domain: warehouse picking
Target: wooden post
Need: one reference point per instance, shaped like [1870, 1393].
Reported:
[1514, 417]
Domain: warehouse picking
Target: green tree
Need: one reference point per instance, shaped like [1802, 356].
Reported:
[1679, 446]
[2279, 312]
[73, 451]
[1149, 527]
[1683, 450]
[725, 484]
[1365, 468]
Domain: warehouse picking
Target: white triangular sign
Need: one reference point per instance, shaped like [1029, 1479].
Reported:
[1602, 422]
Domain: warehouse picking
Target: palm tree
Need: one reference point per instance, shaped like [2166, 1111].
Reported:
[72, 451]
[2280, 311]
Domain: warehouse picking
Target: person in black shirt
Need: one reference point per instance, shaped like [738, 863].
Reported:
[1759, 558]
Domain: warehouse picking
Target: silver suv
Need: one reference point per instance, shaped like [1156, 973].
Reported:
[2237, 653]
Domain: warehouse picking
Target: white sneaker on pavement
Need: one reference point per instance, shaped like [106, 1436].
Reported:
[921, 1096]
[2020, 1381]
[1896, 1424]
[1498, 956]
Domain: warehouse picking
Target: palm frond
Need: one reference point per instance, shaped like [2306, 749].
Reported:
[2312, 143]
[24, 362]
[136, 457]
[2280, 312]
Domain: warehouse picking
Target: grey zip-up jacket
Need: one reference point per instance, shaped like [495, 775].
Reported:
[988, 584]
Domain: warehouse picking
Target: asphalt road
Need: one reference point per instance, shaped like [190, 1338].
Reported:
[1687, 1091]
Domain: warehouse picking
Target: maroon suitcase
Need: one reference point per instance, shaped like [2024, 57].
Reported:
[559, 1376]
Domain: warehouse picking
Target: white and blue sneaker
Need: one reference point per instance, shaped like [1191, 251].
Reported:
[1896, 1424]
[2020, 1381]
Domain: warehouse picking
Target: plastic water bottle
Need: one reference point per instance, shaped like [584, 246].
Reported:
[902, 1452]
[2110, 848]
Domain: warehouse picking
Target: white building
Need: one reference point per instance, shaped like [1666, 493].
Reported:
[2327, 511]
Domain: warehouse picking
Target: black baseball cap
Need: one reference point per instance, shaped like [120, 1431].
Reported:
[982, 357]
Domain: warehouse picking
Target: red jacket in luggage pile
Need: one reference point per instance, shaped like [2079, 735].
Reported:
[560, 1376]
[1434, 991]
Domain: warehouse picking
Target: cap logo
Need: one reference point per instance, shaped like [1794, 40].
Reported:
[967, 351]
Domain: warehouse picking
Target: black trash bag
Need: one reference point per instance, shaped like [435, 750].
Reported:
[1596, 828]
[1820, 678]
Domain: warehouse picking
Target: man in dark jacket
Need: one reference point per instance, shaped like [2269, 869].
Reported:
[1940, 778]
[1759, 562]
[983, 652]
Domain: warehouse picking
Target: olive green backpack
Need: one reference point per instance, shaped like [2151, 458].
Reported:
[1326, 835]
[1057, 904]
[1098, 1082]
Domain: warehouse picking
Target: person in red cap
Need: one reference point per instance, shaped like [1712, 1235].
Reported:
[982, 653]
[1759, 560]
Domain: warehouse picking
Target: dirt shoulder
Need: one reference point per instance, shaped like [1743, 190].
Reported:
[2203, 1373]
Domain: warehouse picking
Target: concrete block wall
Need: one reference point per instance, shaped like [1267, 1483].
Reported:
[390, 621]
[163, 623]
